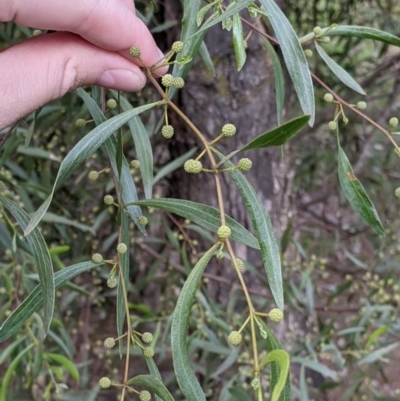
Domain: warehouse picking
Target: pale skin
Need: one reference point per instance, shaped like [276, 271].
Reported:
[91, 46]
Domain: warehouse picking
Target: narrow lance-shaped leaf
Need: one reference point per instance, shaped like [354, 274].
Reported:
[239, 45]
[152, 384]
[356, 195]
[294, 57]
[42, 260]
[364, 33]
[185, 376]
[81, 151]
[35, 299]
[340, 72]
[203, 215]
[281, 357]
[67, 363]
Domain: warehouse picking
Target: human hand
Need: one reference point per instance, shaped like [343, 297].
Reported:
[91, 47]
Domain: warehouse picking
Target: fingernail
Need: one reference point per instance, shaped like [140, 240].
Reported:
[122, 80]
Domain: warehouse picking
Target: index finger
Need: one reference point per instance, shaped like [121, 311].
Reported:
[109, 24]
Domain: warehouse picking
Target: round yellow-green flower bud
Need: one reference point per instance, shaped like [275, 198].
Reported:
[224, 232]
[178, 82]
[148, 352]
[105, 382]
[135, 164]
[393, 122]
[332, 125]
[108, 200]
[317, 30]
[193, 166]
[276, 315]
[308, 53]
[93, 175]
[144, 396]
[228, 130]
[112, 282]
[2, 187]
[239, 263]
[235, 338]
[397, 192]
[109, 342]
[361, 105]
[167, 131]
[177, 47]
[122, 248]
[147, 337]
[142, 220]
[245, 164]
[111, 103]
[325, 39]
[328, 98]
[220, 255]
[97, 258]
[167, 80]
[80, 123]
[134, 52]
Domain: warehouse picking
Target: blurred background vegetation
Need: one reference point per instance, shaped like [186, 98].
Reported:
[342, 281]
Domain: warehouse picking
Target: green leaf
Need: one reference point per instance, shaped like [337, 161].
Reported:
[203, 215]
[377, 354]
[82, 150]
[364, 33]
[185, 376]
[239, 44]
[340, 72]
[206, 58]
[316, 366]
[68, 364]
[375, 335]
[152, 384]
[202, 13]
[42, 258]
[35, 299]
[55, 219]
[281, 357]
[356, 195]
[279, 79]
[294, 57]
[265, 234]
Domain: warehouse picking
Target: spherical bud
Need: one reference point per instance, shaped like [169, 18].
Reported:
[239, 264]
[178, 83]
[93, 175]
[235, 338]
[193, 166]
[134, 52]
[135, 164]
[328, 98]
[112, 282]
[109, 342]
[220, 255]
[325, 39]
[393, 122]
[148, 352]
[228, 130]
[2, 187]
[276, 315]
[111, 103]
[317, 30]
[97, 258]
[147, 337]
[122, 248]
[36, 32]
[397, 192]
[105, 382]
[224, 232]
[167, 131]
[142, 220]
[80, 123]
[245, 164]
[177, 47]
[144, 396]
[308, 53]
[361, 105]
[108, 200]
[332, 125]
[167, 80]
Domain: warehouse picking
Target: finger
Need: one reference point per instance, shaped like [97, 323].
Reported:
[46, 67]
[110, 24]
